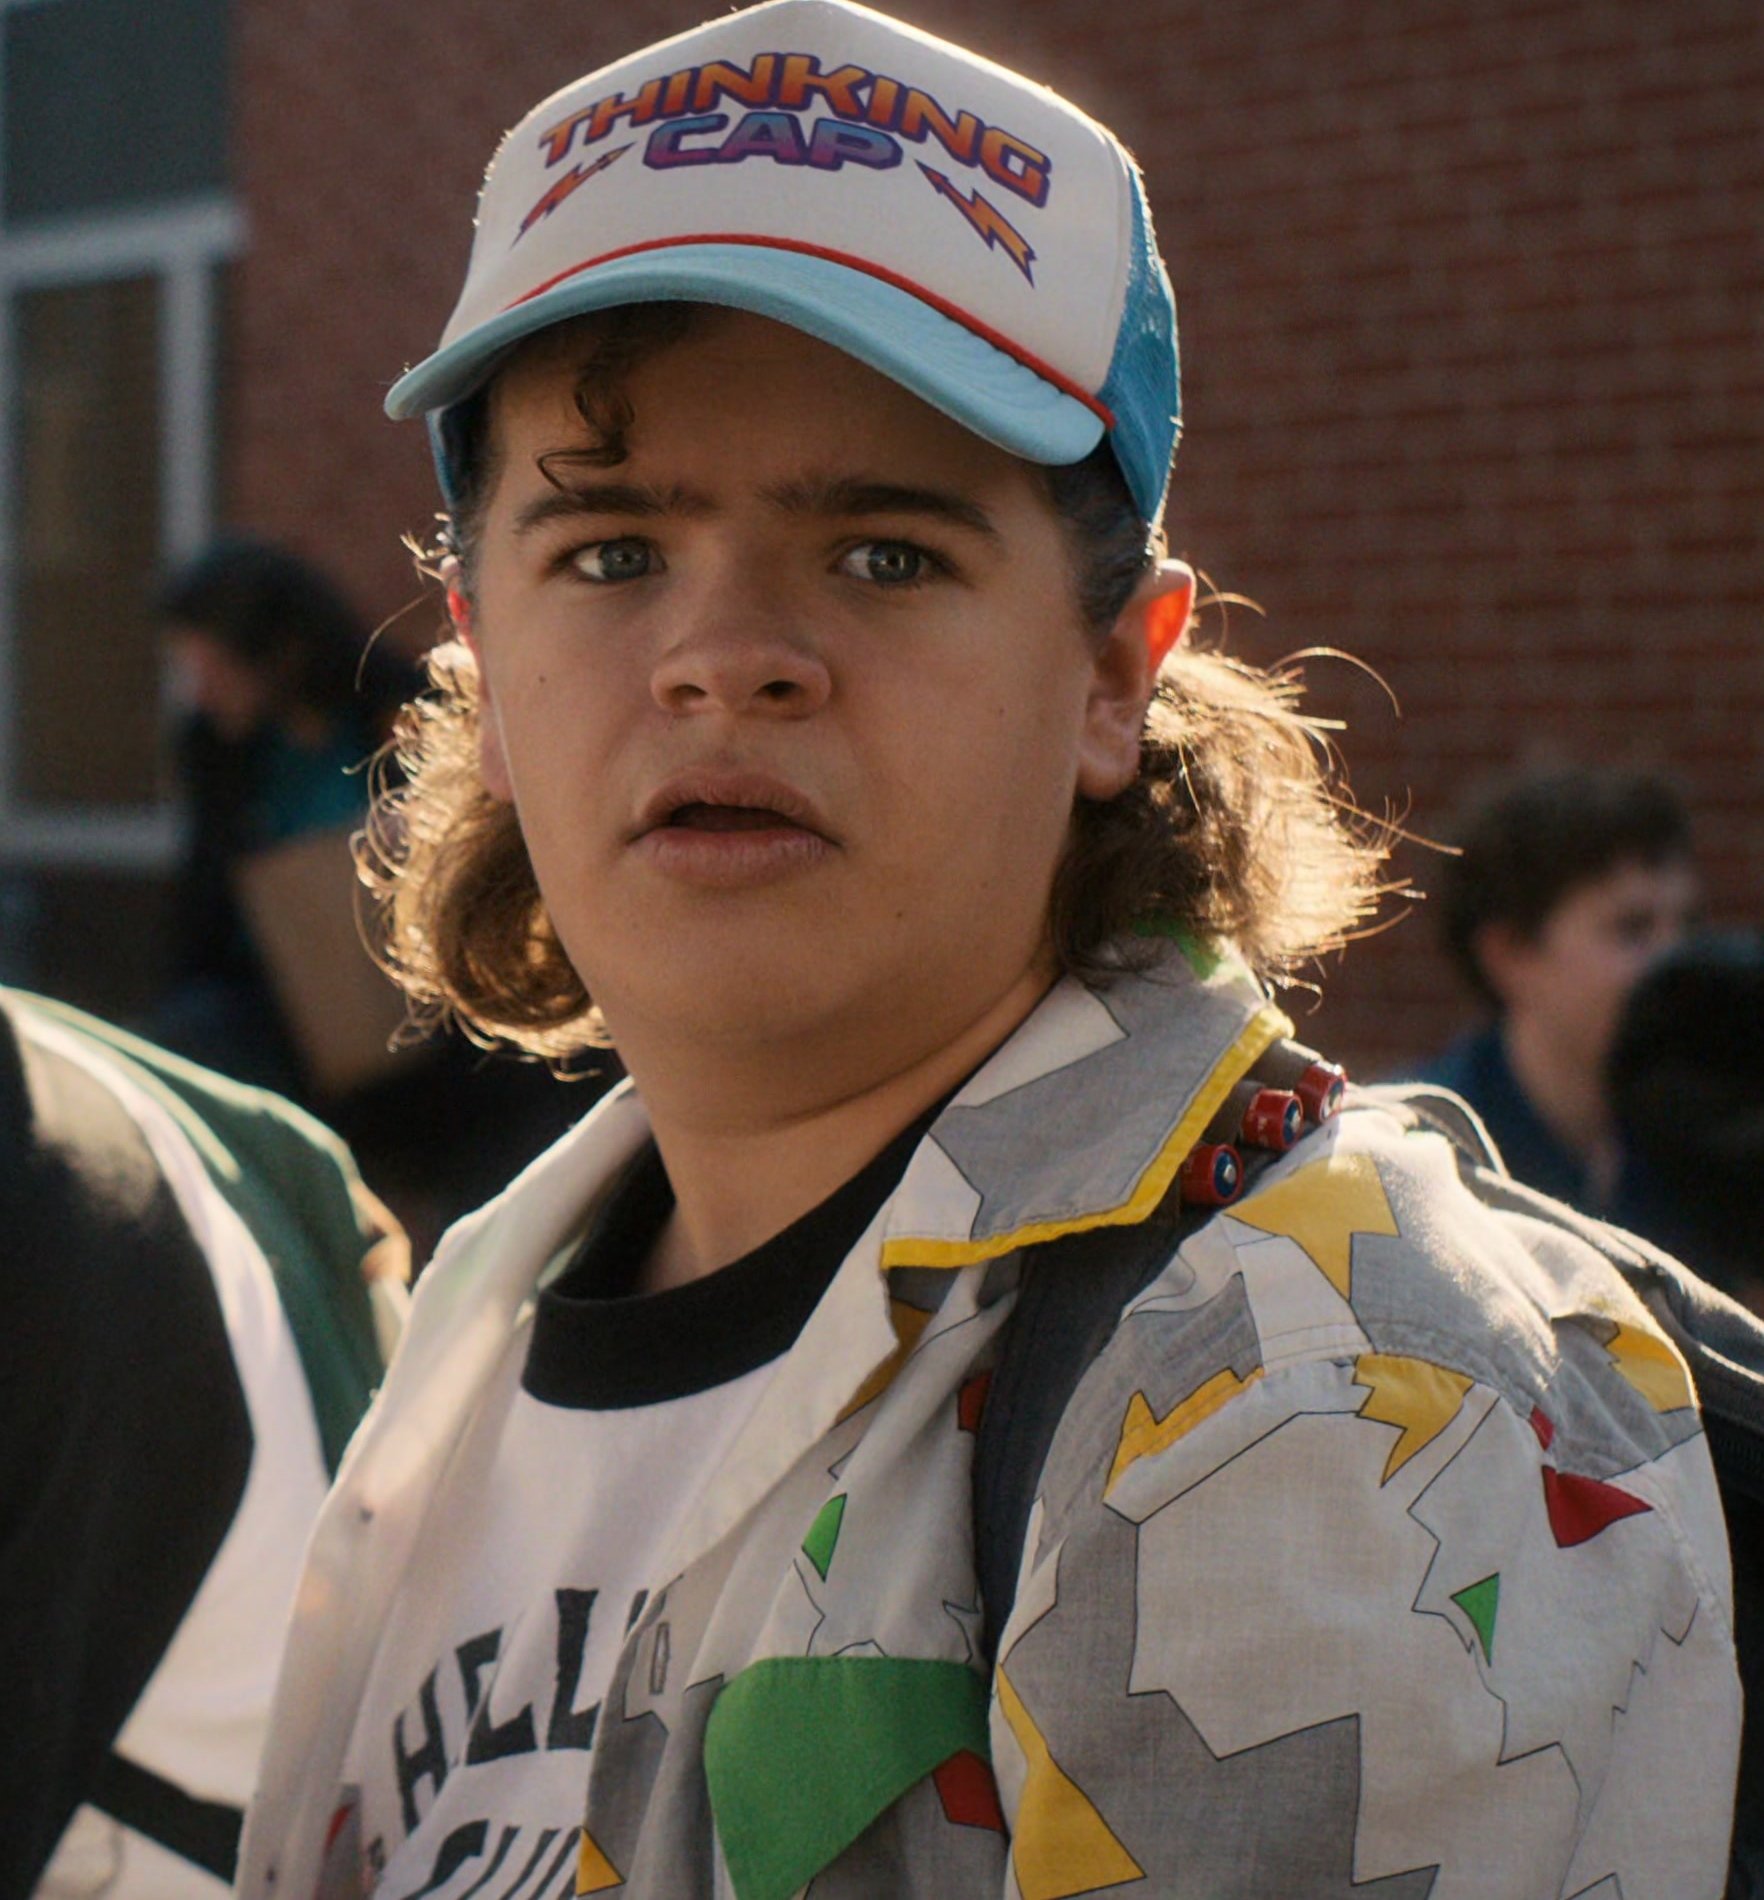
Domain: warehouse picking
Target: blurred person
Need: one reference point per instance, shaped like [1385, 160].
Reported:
[288, 700]
[1686, 1080]
[192, 1338]
[285, 701]
[1568, 885]
[824, 729]
[1684, 1075]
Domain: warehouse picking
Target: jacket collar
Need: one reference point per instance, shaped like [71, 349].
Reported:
[1083, 1117]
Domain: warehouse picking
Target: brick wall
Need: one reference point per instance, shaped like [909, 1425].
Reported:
[1471, 296]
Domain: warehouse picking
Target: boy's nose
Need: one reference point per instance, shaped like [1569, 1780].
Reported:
[739, 650]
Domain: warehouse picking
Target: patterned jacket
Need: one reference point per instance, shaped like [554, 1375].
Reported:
[1379, 1552]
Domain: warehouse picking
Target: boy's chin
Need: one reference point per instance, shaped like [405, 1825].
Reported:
[728, 1001]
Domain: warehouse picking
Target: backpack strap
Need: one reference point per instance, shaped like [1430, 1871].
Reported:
[1069, 1301]
[206, 1833]
[1072, 1292]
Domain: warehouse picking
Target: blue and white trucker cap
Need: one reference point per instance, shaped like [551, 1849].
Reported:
[958, 228]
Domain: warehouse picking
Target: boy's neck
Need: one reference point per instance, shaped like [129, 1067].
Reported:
[752, 1146]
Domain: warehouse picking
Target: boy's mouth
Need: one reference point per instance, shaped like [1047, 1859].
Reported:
[703, 817]
[731, 830]
[725, 801]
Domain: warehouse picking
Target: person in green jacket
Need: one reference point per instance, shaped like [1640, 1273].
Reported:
[200, 1294]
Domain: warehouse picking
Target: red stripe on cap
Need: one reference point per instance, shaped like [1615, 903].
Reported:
[954, 312]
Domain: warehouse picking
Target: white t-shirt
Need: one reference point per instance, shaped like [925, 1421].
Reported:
[482, 1705]
[470, 1760]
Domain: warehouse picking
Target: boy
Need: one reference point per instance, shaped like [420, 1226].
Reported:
[804, 426]
[1568, 886]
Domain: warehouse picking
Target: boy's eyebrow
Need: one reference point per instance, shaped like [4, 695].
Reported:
[845, 496]
[607, 498]
[838, 495]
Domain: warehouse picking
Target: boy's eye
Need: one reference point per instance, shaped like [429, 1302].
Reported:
[627, 559]
[887, 563]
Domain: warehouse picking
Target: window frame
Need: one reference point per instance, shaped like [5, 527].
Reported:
[181, 246]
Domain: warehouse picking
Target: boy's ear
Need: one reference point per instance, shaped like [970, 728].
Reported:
[459, 611]
[1167, 601]
[1149, 627]
[459, 605]
[492, 759]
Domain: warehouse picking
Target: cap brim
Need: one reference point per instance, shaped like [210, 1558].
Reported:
[898, 334]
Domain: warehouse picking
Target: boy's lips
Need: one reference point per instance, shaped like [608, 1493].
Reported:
[730, 830]
[725, 804]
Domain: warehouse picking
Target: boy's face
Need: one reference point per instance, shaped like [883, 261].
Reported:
[793, 701]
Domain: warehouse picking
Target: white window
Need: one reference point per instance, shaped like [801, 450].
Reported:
[114, 229]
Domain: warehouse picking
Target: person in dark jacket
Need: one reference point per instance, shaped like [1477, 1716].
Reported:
[1684, 1080]
[1567, 886]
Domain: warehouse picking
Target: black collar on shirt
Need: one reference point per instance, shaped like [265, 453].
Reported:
[597, 1346]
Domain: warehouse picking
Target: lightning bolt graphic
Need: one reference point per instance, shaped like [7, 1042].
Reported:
[1652, 1367]
[1322, 1208]
[987, 220]
[1144, 1434]
[1061, 1845]
[1419, 1398]
[561, 188]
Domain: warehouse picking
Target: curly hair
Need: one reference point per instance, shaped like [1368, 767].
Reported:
[1236, 833]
